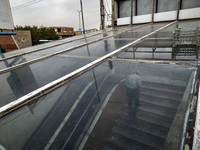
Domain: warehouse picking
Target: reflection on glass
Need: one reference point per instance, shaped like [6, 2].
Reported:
[133, 86]
[22, 80]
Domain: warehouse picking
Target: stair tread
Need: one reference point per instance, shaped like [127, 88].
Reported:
[179, 92]
[114, 141]
[157, 111]
[138, 138]
[159, 96]
[163, 103]
[149, 119]
[147, 129]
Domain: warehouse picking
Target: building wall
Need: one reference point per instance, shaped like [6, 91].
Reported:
[7, 43]
[64, 32]
[167, 10]
[6, 20]
[23, 38]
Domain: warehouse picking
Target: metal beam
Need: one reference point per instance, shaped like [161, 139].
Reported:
[82, 17]
[131, 12]
[136, 6]
[153, 10]
[156, 11]
[118, 5]
[179, 2]
[7, 33]
[63, 80]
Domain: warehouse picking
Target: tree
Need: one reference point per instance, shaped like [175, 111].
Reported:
[40, 33]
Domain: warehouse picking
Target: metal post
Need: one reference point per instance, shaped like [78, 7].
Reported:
[79, 19]
[152, 10]
[179, 2]
[156, 6]
[136, 3]
[82, 16]
[131, 12]
[102, 14]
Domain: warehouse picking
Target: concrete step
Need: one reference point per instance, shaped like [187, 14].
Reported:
[161, 92]
[147, 130]
[169, 87]
[160, 102]
[157, 106]
[135, 138]
[161, 112]
[116, 143]
[149, 120]
[165, 81]
[154, 111]
[159, 95]
[163, 89]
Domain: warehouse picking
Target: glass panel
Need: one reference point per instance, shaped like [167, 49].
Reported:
[52, 50]
[104, 47]
[55, 42]
[190, 4]
[21, 81]
[161, 46]
[125, 9]
[94, 110]
[168, 5]
[144, 7]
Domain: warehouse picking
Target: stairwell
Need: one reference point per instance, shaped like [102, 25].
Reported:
[149, 129]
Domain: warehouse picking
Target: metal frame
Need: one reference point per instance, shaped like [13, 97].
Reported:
[59, 82]
[153, 10]
[131, 12]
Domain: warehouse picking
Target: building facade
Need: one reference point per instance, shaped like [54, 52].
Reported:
[64, 32]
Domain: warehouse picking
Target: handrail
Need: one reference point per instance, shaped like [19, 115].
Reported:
[59, 82]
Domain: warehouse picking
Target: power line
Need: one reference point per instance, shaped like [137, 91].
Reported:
[26, 4]
[23, 4]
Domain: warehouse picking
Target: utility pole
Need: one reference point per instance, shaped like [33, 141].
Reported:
[82, 17]
[79, 12]
[102, 14]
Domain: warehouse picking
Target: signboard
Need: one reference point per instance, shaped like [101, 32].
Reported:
[6, 20]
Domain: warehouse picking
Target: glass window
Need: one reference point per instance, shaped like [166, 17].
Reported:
[168, 5]
[144, 7]
[190, 4]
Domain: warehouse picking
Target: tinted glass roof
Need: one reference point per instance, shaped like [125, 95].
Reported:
[89, 108]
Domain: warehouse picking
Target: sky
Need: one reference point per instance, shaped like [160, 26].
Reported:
[50, 13]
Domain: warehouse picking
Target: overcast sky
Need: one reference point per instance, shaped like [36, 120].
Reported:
[56, 12]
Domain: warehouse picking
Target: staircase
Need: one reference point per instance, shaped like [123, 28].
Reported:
[149, 129]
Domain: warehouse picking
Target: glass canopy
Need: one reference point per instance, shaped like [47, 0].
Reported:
[90, 108]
